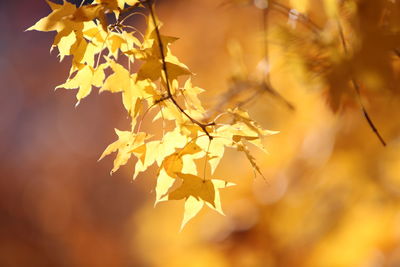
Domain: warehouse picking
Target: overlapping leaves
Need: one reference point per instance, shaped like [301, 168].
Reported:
[96, 47]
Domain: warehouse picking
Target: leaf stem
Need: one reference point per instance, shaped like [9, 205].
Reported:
[205, 161]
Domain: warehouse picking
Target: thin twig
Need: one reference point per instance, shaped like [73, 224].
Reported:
[365, 113]
[130, 15]
[205, 161]
[164, 66]
[81, 4]
[305, 20]
[277, 95]
[356, 87]
[265, 84]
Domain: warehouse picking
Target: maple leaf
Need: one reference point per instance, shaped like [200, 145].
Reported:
[152, 67]
[215, 150]
[161, 151]
[190, 94]
[234, 136]
[242, 116]
[151, 45]
[169, 111]
[194, 186]
[190, 149]
[65, 45]
[60, 20]
[116, 40]
[139, 90]
[121, 80]
[133, 89]
[88, 12]
[197, 191]
[164, 183]
[126, 143]
[57, 20]
[116, 5]
[84, 79]
[149, 52]
[146, 154]
[95, 33]
[180, 161]
[244, 148]
[172, 164]
[124, 42]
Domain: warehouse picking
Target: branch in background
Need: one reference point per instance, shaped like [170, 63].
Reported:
[305, 20]
[238, 87]
[265, 85]
[277, 95]
[356, 87]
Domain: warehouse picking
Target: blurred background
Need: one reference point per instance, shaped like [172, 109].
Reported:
[331, 193]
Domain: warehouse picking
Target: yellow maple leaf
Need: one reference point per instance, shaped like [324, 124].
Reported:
[190, 149]
[139, 90]
[180, 161]
[169, 111]
[163, 152]
[243, 148]
[126, 143]
[88, 12]
[196, 191]
[57, 19]
[117, 4]
[149, 52]
[65, 44]
[84, 79]
[147, 154]
[194, 186]
[191, 208]
[68, 37]
[121, 80]
[124, 42]
[190, 94]
[94, 32]
[172, 164]
[242, 116]
[164, 183]
[214, 148]
[152, 68]
[84, 52]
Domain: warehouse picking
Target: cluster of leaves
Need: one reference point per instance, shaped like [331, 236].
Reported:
[161, 81]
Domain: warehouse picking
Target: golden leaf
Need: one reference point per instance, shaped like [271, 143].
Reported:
[197, 191]
[84, 79]
[119, 81]
[126, 143]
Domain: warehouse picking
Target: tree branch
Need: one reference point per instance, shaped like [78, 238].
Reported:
[203, 126]
[356, 87]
